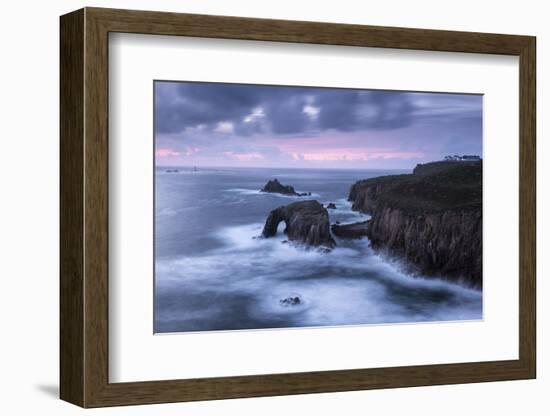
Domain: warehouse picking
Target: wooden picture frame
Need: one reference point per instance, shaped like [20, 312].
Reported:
[84, 207]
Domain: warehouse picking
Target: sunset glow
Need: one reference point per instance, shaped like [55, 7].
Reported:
[216, 124]
[166, 153]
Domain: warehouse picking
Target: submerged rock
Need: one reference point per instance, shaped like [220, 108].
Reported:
[354, 230]
[276, 187]
[331, 205]
[290, 301]
[306, 222]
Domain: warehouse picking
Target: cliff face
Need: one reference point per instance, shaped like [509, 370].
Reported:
[444, 244]
[354, 230]
[431, 218]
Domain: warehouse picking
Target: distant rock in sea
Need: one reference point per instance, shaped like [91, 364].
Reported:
[275, 187]
[171, 171]
[290, 301]
[431, 218]
[306, 222]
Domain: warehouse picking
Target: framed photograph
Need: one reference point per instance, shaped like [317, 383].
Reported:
[255, 207]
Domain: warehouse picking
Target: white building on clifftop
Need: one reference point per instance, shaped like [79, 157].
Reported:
[463, 158]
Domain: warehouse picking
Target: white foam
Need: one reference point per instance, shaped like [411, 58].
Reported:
[349, 285]
[256, 192]
[327, 302]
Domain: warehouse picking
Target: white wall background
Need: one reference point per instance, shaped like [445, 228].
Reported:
[29, 206]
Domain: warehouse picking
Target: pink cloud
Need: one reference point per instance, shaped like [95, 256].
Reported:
[166, 153]
[351, 154]
[244, 157]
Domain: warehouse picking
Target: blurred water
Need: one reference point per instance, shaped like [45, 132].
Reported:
[212, 274]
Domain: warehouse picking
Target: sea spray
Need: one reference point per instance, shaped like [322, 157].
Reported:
[212, 272]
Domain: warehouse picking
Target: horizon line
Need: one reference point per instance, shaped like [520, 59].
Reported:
[276, 167]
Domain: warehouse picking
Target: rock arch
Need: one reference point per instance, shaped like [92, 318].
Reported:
[306, 222]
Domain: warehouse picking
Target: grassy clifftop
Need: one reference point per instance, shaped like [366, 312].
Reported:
[432, 187]
[432, 218]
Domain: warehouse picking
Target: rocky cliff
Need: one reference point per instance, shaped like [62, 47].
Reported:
[354, 230]
[432, 218]
[306, 222]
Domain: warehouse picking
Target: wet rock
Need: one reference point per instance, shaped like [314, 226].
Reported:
[306, 222]
[290, 301]
[431, 218]
[331, 206]
[276, 187]
[354, 230]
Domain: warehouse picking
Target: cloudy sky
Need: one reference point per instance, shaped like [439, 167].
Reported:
[218, 124]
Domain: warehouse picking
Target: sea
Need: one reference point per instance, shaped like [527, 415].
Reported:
[214, 271]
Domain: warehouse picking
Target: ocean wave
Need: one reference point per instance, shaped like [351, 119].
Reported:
[244, 191]
[343, 212]
[239, 281]
[351, 285]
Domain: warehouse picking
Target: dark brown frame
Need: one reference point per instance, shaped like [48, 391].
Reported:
[84, 208]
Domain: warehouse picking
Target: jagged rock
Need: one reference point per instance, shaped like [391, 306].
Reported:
[331, 205]
[274, 186]
[431, 218]
[306, 222]
[354, 230]
[290, 301]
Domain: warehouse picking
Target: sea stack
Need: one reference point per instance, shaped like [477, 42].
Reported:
[431, 218]
[276, 187]
[307, 222]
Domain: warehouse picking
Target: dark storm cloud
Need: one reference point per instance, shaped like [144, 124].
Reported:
[182, 105]
[189, 105]
[350, 110]
[251, 109]
[285, 114]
